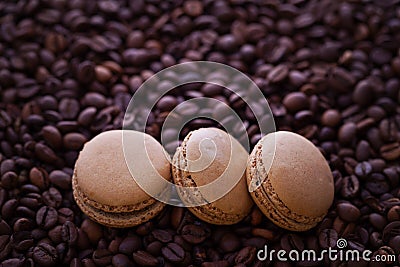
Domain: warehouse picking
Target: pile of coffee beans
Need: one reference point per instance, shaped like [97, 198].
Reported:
[330, 70]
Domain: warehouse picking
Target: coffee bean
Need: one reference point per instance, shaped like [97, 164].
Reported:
[86, 116]
[102, 257]
[5, 246]
[52, 197]
[394, 213]
[246, 256]
[60, 179]
[227, 43]
[94, 100]
[295, 101]
[377, 220]
[74, 141]
[85, 72]
[328, 238]
[193, 8]
[8, 209]
[229, 242]
[46, 217]
[52, 136]
[9, 180]
[347, 133]
[93, 230]
[390, 151]
[121, 260]
[45, 153]
[194, 234]
[144, 258]
[167, 103]
[289, 242]
[162, 235]
[64, 215]
[6, 166]
[173, 252]
[69, 233]
[278, 74]
[69, 108]
[45, 255]
[130, 244]
[348, 212]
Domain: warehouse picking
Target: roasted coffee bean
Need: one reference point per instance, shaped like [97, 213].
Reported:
[102, 257]
[5, 246]
[229, 242]
[391, 151]
[363, 169]
[289, 242]
[173, 252]
[130, 244]
[328, 238]
[69, 108]
[278, 74]
[121, 260]
[64, 215]
[45, 153]
[394, 214]
[144, 258]
[55, 234]
[23, 224]
[85, 72]
[69, 234]
[348, 212]
[8, 209]
[377, 221]
[194, 234]
[45, 255]
[350, 186]
[52, 197]
[246, 256]
[9, 180]
[46, 217]
[86, 116]
[60, 179]
[74, 141]
[295, 101]
[93, 230]
[39, 177]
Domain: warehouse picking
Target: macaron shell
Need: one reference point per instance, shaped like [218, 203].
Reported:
[269, 208]
[299, 175]
[119, 189]
[230, 160]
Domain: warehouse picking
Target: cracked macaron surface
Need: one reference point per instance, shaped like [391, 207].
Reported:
[297, 189]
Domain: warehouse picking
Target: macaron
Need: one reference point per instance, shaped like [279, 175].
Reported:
[103, 186]
[293, 185]
[213, 163]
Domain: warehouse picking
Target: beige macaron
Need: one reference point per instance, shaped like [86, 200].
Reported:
[103, 186]
[297, 190]
[214, 163]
